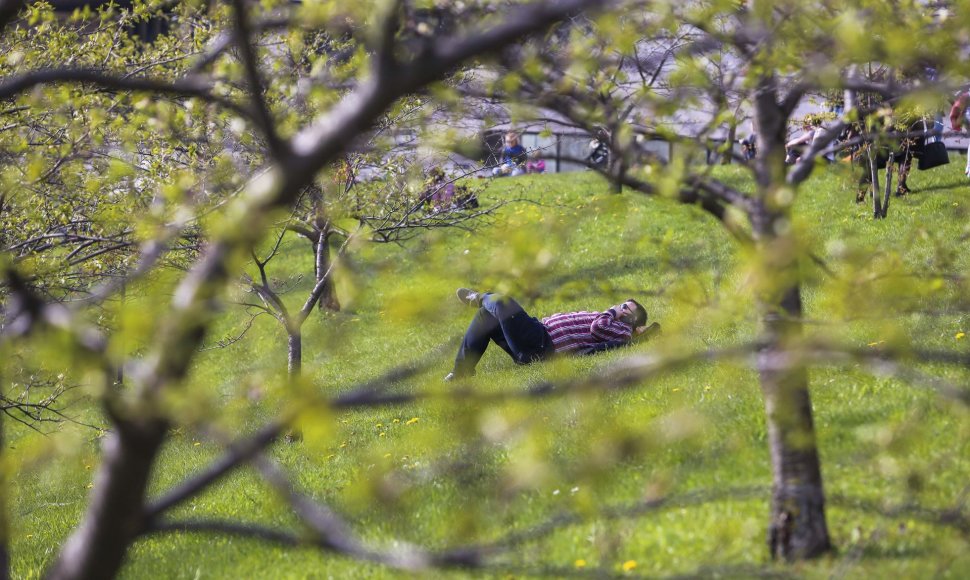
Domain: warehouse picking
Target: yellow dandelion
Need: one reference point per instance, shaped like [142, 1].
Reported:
[331, 456]
[383, 434]
[580, 563]
[396, 421]
[386, 455]
[196, 444]
[379, 425]
[412, 421]
[629, 565]
[961, 335]
[90, 485]
[676, 389]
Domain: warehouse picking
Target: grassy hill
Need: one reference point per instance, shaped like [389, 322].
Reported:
[447, 472]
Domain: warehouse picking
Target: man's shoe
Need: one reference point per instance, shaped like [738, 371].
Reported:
[453, 376]
[469, 297]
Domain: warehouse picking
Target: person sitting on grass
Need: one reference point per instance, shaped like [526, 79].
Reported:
[526, 339]
[513, 157]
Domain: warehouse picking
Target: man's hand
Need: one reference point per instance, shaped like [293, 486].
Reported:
[647, 332]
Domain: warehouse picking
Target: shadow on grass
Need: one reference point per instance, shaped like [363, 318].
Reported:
[881, 551]
[951, 185]
[727, 571]
[580, 281]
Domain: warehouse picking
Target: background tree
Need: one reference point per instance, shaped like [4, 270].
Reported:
[399, 66]
[763, 47]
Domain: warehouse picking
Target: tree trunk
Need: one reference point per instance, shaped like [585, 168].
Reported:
[328, 298]
[294, 345]
[797, 528]
[890, 165]
[874, 176]
[294, 367]
[617, 166]
[115, 514]
[728, 156]
[4, 512]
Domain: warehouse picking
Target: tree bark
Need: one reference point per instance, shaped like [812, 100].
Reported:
[4, 512]
[797, 528]
[874, 176]
[328, 298]
[115, 514]
[884, 212]
[728, 157]
[294, 345]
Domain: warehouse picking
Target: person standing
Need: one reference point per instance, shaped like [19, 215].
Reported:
[959, 116]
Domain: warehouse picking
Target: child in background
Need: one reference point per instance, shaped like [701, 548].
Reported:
[513, 157]
[535, 165]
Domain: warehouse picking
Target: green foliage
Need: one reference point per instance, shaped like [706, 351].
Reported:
[89, 175]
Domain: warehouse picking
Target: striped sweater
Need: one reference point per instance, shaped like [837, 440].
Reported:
[578, 331]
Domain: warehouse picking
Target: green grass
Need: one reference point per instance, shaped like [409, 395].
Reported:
[465, 473]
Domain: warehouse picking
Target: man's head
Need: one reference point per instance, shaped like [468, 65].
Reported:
[632, 313]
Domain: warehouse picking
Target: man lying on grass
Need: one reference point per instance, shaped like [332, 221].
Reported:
[526, 339]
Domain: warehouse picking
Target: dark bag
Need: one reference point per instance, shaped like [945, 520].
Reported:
[934, 153]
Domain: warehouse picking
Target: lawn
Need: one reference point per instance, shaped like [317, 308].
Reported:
[452, 470]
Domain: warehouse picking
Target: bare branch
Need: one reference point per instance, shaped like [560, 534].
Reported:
[231, 528]
[231, 340]
[194, 88]
[237, 453]
[954, 517]
[243, 450]
[223, 41]
[326, 138]
[803, 169]
[322, 282]
[335, 537]
[242, 32]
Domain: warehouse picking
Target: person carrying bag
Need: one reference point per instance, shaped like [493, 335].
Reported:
[933, 153]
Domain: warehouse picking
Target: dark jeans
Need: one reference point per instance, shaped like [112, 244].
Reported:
[504, 322]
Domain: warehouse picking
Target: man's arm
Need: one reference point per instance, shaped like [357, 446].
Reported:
[606, 327]
[803, 138]
[646, 332]
[956, 112]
